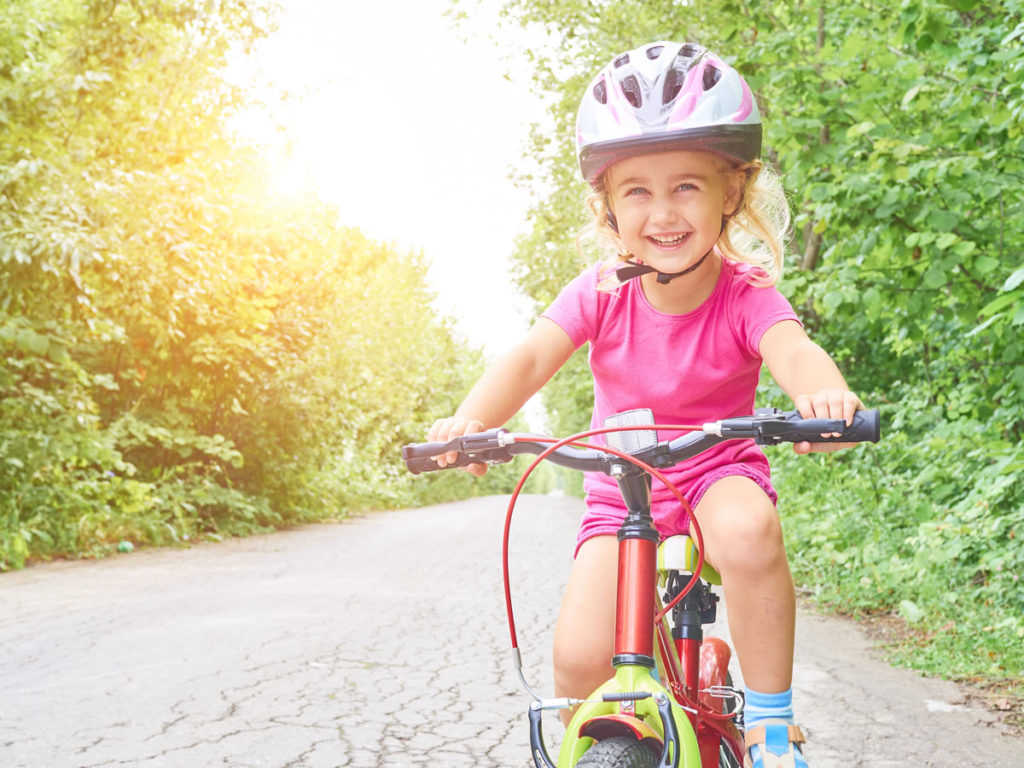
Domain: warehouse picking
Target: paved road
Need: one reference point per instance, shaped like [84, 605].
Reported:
[375, 643]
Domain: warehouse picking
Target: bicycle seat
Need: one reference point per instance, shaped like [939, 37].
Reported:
[679, 553]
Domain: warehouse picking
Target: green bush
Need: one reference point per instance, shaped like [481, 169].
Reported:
[925, 525]
[187, 354]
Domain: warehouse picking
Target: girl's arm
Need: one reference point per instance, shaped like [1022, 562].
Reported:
[809, 376]
[506, 386]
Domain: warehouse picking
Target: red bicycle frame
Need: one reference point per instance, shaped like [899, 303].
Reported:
[694, 667]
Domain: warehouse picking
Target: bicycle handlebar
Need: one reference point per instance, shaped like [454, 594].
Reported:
[768, 426]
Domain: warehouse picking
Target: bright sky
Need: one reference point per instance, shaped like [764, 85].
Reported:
[410, 125]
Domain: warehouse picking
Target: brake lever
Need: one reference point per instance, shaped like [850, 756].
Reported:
[746, 426]
[775, 432]
[770, 426]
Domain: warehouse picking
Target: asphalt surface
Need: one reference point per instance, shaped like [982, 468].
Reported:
[378, 642]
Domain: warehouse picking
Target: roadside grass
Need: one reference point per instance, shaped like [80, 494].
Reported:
[903, 645]
[924, 545]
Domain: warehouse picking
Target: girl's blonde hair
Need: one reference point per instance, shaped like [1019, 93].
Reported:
[755, 233]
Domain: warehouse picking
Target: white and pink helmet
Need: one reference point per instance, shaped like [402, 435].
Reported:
[665, 96]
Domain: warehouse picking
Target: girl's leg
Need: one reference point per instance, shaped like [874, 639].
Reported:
[584, 634]
[743, 540]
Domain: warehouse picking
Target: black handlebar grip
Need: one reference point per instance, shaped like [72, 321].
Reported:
[420, 464]
[794, 429]
[866, 428]
[419, 457]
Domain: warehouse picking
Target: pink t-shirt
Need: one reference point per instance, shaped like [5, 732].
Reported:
[688, 369]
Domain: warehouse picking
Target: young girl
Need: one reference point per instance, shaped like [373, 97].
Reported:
[679, 321]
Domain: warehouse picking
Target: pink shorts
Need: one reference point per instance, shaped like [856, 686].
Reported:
[604, 516]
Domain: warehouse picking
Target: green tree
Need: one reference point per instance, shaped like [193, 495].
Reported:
[186, 353]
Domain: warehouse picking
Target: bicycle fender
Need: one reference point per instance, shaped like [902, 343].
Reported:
[649, 713]
[714, 665]
[607, 726]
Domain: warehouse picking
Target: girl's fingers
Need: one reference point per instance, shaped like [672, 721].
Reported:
[444, 430]
[827, 404]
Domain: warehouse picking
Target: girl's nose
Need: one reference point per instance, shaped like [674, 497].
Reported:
[663, 212]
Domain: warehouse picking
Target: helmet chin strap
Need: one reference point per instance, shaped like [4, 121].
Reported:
[635, 270]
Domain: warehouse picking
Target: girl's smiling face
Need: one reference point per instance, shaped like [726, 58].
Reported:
[669, 206]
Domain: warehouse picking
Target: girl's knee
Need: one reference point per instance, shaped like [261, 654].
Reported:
[756, 527]
[741, 528]
[580, 665]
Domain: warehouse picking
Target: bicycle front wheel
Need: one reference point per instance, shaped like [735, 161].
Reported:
[618, 752]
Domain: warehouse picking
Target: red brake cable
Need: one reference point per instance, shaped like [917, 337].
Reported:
[575, 441]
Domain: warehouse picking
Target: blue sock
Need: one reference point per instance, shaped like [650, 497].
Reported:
[764, 706]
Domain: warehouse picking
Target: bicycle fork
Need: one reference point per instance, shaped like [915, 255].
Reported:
[633, 702]
[606, 717]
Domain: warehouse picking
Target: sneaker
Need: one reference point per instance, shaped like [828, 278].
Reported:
[774, 744]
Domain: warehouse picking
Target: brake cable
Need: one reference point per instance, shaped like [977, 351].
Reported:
[576, 441]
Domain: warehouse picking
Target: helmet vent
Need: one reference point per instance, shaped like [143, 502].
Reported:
[690, 51]
[673, 84]
[655, 51]
[631, 88]
[601, 92]
[711, 77]
[622, 61]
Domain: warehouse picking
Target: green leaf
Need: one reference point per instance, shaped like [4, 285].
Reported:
[986, 264]
[30, 341]
[911, 94]
[981, 328]
[859, 129]
[964, 248]
[1014, 279]
[1000, 302]
[942, 220]
[832, 299]
[910, 612]
[935, 277]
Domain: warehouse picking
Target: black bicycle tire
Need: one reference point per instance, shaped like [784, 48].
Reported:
[618, 752]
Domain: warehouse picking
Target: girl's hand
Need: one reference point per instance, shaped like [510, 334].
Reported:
[444, 430]
[827, 404]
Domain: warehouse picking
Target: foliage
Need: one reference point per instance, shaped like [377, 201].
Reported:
[897, 130]
[186, 353]
[927, 530]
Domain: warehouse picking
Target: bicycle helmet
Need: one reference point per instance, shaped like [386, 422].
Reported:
[665, 96]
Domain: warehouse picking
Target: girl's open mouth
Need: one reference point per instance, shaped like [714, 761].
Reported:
[669, 241]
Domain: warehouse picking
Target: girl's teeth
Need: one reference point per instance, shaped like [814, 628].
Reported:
[669, 240]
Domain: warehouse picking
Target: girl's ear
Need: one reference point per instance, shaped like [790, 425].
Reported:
[735, 181]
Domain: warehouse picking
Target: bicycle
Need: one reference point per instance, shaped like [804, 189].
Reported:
[670, 701]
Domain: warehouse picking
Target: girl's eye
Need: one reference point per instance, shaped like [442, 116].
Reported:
[685, 186]
[636, 191]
